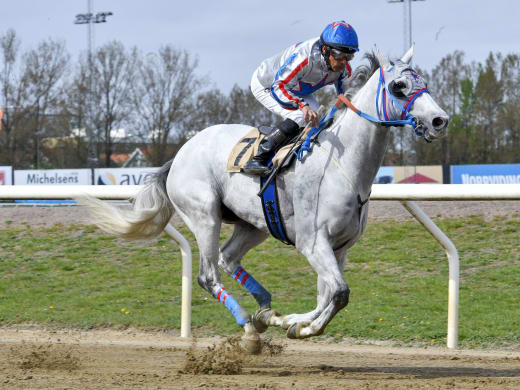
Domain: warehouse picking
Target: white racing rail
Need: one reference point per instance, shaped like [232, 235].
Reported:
[406, 193]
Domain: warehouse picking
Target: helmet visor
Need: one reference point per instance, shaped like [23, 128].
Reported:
[339, 55]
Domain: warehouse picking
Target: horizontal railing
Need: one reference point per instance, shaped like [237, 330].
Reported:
[379, 192]
[405, 193]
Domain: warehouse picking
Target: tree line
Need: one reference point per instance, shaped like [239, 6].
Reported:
[160, 100]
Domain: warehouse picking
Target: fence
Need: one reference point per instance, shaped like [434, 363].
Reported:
[405, 193]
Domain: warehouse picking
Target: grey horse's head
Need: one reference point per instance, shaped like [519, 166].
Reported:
[407, 87]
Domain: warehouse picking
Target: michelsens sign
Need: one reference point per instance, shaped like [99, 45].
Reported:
[53, 177]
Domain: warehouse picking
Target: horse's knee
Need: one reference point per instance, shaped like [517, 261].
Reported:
[340, 298]
[205, 283]
[227, 265]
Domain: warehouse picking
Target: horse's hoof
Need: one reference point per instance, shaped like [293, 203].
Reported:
[252, 346]
[262, 317]
[258, 321]
[293, 332]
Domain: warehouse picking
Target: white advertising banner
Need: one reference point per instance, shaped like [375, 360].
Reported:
[6, 175]
[123, 176]
[53, 177]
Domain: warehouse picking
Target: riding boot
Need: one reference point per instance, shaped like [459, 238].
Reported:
[257, 165]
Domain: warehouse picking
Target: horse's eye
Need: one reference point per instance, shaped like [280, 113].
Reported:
[399, 85]
[396, 87]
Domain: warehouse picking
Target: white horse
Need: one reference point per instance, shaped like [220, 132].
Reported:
[322, 198]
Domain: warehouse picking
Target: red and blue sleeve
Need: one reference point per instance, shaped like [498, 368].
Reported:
[287, 79]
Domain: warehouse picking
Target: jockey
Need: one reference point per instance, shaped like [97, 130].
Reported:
[284, 84]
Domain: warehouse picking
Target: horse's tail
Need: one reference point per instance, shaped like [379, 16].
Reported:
[149, 213]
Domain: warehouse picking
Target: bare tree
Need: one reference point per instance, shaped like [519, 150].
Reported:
[163, 98]
[210, 108]
[114, 73]
[74, 105]
[240, 106]
[30, 86]
[245, 109]
[12, 96]
[43, 70]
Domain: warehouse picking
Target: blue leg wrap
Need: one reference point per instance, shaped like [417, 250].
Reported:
[261, 295]
[227, 300]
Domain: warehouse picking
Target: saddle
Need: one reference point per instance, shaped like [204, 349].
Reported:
[247, 147]
[243, 151]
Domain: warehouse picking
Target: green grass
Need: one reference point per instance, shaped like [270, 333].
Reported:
[75, 276]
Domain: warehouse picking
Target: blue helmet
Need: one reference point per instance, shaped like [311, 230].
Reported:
[340, 35]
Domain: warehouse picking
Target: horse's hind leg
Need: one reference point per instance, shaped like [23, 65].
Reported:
[245, 237]
[205, 222]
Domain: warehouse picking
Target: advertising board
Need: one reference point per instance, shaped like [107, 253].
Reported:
[123, 176]
[53, 177]
[420, 174]
[485, 174]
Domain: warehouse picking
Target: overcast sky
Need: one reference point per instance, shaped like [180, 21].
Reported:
[231, 37]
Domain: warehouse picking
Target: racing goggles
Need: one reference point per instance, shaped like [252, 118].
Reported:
[342, 55]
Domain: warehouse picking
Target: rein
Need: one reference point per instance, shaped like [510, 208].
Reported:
[382, 90]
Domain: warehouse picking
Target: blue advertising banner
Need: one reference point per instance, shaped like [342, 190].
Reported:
[485, 174]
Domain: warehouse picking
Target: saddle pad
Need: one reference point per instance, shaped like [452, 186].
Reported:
[247, 147]
[244, 150]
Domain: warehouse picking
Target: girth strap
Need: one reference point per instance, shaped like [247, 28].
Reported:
[272, 214]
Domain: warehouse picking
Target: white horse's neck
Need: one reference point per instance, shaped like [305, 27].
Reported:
[364, 143]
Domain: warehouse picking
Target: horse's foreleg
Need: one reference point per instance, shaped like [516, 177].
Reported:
[316, 327]
[322, 301]
[270, 317]
[333, 295]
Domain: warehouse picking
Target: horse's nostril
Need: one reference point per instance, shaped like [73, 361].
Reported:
[438, 122]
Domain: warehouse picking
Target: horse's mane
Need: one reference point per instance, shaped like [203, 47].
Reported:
[362, 74]
[359, 78]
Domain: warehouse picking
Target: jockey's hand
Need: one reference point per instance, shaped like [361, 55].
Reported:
[310, 115]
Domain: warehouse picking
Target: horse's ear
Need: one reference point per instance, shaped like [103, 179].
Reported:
[407, 57]
[384, 62]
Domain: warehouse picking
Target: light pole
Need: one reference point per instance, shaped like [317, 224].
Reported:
[88, 19]
[407, 43]
[407, 21]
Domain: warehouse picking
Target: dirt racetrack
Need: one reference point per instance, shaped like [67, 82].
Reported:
[34, 358]
[38, 359]
[378, 210]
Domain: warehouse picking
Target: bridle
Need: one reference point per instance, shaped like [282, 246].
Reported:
[382, 119]
[406, 117]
